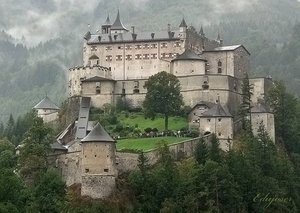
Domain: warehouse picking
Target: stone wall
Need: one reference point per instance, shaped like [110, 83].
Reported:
[97, 186]
[268, 121]
[133, 60]
[98, 158]
[77, 74]
[188, 67]
[69, 164]
[127, 162]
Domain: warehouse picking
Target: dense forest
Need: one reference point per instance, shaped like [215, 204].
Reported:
[256, 175]
[44, 39]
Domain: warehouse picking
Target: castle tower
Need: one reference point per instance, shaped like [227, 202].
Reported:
[117, 26]
[98, 164]
[188, 63]
[47, 110]
[106, 26]
[182, 29]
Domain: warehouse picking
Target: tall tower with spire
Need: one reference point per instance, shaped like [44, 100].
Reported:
[117, 26]
[182, 29]
[106, 26]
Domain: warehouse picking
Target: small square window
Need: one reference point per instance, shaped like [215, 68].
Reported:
[220, 119]
[208, 119]
[105, 170]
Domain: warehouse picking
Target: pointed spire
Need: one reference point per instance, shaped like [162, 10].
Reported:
[183, 24]
[107, 22]
[117, 25]
[218, 37]
[201, 32]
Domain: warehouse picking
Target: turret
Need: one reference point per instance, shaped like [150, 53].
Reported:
[106, 26]
[219, 40]
[98, 164]
[182, 29]
[47, 110]
[201, 32]
[117, 26]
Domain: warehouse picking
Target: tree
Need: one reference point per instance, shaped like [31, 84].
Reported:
[201, 152]
[215, 151]
[245, 106]
[34, 151]
[163, 96]
[286, 116]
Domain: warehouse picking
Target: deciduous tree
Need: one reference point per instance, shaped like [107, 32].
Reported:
[163, 96]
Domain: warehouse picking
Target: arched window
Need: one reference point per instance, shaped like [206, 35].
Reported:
[219, 66]
[219, 63]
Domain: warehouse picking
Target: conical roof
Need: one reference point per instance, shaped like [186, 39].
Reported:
[183, 24]
[107, 22]
[46, 103]
[117, 25]
[98, 134]
[216, 111]
[201, 31]
[188, 55]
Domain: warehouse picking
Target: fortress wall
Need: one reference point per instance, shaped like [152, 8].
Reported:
[127, 162]
[76, 74]
[241, 62]
[227, 59]
[69, 164]
[188, 67]
[136, 67]
[268, 122]
[49, 117]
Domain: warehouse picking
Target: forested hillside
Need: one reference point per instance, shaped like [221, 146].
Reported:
[39, 41]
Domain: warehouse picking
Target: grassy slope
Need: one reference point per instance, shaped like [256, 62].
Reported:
[133, 119]
[146, 143]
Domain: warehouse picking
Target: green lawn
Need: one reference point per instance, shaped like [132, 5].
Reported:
[146, 143]
[138, 119]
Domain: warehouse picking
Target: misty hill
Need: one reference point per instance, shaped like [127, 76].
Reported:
[52, 33]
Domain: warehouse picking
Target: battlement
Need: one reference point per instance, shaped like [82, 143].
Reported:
[97, 70]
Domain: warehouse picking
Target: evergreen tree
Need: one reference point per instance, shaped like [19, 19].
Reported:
[245, 106]
[201, 152]
[34, 150]
[215, 151]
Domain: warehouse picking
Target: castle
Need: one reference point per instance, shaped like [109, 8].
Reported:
[117, 63]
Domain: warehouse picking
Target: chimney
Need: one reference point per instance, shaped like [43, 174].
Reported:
[132, 27]
[134, 36]
[152, 35]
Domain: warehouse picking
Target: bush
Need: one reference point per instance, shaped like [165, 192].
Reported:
[148, 130]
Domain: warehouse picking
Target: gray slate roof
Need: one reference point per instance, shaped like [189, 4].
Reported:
[93, 57]
[107, 22]
[98, 134]
[216, 111]
[96, 79]
[46, 103]
[183, 24]
[188, 55]
[83, 117]
[227, 48]
[58, 146]
[128, 37]
[117, 25]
